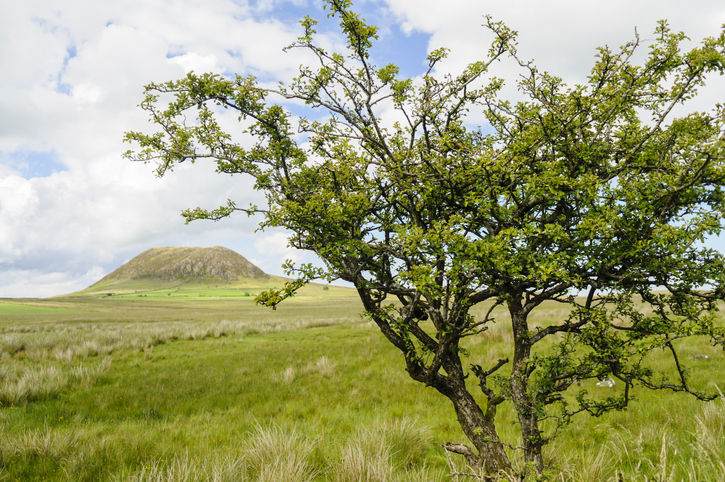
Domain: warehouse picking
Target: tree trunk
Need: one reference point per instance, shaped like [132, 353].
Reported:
[481, 431]
[525, 409]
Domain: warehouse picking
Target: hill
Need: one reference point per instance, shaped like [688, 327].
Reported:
[186, 264]
[181, 268]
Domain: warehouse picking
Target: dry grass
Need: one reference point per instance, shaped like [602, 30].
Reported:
[288, 375]
[323, 366]
[420, 474]
[64, 342]
[41, 443]
[632, 450]
[377, 454]
[19, 384]
[589, 465]
[709, 443]
[364, 464]
[279, 455]
[185, 469]
[271, 453]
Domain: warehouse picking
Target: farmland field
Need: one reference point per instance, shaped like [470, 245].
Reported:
[202, 384]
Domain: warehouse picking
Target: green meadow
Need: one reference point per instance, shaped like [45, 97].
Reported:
[198, 383]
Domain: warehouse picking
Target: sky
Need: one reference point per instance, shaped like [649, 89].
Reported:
[72, 209]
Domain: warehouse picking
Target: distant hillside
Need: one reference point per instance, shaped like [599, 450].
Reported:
[196, 274]
[183, 268]
[186, 264]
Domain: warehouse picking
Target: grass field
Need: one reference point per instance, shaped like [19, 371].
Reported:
[204, 385]
[193, 289]
[7, 308]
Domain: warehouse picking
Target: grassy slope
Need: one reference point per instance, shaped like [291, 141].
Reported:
[243, 288]
[194, 377]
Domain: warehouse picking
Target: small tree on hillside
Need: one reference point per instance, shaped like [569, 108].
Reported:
[594, 188]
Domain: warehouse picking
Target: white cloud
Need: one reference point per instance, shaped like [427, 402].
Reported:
[86, 93]
[274, 245]
[561, 35]
[39, 284]
[196, 62]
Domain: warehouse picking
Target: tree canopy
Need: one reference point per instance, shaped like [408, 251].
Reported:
[596, 188]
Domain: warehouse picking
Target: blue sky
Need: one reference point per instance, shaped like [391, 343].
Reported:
[72, 75]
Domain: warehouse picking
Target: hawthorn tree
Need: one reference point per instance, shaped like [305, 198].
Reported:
[594, 189]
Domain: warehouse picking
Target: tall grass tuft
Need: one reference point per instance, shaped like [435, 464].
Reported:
[89, 375]
[185, 469]
[40, 443]
[44, 383]
[47, 443]
[325, 367]
[279, 455]
[31, 384]
[423, 473]
[288, 375]
[364, 464]
[377, 453]
[709, 442]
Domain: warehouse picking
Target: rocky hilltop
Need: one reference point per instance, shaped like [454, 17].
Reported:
[182, 264]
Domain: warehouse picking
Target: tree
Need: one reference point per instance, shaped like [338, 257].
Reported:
[594, 189]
